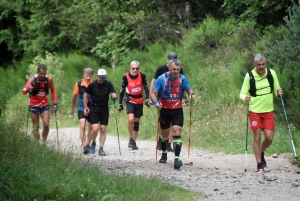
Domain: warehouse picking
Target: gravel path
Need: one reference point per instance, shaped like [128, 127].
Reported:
[219, 176]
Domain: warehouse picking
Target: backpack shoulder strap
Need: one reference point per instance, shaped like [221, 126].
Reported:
[270, 79]
[252, 89]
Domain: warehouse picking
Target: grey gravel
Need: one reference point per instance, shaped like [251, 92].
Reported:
[219, 176]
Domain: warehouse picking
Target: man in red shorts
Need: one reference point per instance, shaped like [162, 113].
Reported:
[38, 87]
[257, 90]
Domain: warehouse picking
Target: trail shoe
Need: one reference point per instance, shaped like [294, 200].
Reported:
[260, 168]
[169, 148]
[159, 144]
[163, 158]
[264, 163]
[86, 149]
[177, 163]
[130, 143]
[134, 145]
[92, 149]
[101, 152]
[263, 160]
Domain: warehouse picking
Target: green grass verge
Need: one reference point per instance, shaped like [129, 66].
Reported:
[33, 171]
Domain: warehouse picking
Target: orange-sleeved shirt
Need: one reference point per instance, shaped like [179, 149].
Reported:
[41, 98]
[80, 90]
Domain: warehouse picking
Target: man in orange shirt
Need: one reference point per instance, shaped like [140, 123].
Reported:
[38, 87]
[79, 89]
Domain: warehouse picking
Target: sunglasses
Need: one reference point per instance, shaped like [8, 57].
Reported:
[135, 68]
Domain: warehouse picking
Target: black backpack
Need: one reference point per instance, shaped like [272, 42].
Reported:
[38, 83]
[253, 89]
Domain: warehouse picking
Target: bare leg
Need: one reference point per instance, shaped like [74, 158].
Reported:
[135, 133]
[268, 139]
[170, 134]
[102, 135]
[82, 131]
[45, 118]
[94, 132]
[130, 124]
[256, 145]
[35, 125]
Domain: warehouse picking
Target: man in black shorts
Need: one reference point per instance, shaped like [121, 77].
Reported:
[79, 89]
[171, 87]
[159, 71]
[99, 91]
[134, 83]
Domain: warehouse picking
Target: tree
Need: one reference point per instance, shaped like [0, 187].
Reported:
[266, 12]
[284, 55]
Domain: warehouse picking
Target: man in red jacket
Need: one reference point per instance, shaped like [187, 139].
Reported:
[38, 87]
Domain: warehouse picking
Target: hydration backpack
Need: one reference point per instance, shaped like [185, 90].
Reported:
[253, 89]
[38, 85]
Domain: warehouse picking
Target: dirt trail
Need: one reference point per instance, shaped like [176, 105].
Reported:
[219, 176]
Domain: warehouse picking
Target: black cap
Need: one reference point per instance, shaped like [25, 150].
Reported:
[172, 55]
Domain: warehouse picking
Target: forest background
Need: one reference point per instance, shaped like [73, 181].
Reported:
[215, 40]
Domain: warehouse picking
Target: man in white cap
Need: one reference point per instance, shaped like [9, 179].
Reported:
[99, 91]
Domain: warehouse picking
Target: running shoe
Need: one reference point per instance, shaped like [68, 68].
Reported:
[93, 147]
[163, 158]
[86, 149]
[130, 143]
[177, 163]
[260, 167]
[134, 145]
[101, 152]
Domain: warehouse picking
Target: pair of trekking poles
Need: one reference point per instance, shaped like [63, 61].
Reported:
[288, 126]
[189, 134]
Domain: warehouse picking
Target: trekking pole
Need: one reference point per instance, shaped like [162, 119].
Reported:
[56, 130]
[190, 128]
[247, 120]
[287, 123]
[27, 117]
[157, 134]
[117, 125]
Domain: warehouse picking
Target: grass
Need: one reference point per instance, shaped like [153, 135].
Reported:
[33, 171]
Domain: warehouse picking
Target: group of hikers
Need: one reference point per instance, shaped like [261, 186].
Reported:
[168, 92]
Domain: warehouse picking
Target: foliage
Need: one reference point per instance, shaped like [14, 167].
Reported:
[115, 43]
[54, 66]
[56, 26]
[283, 55]
[267, 12]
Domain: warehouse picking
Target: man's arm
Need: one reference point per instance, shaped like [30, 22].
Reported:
[53, 94]
[151, 88]
[112, 91]
[122, 90]
[278, 91]
[74, 97]
[145, 84]
[28, 86]
[85, 101]
[245, 89]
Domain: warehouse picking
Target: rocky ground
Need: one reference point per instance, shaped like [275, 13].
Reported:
[219, 176]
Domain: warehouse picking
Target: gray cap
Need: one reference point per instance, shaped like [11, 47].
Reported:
[172, 55]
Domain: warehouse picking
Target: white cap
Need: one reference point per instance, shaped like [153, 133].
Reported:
[101, 73]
